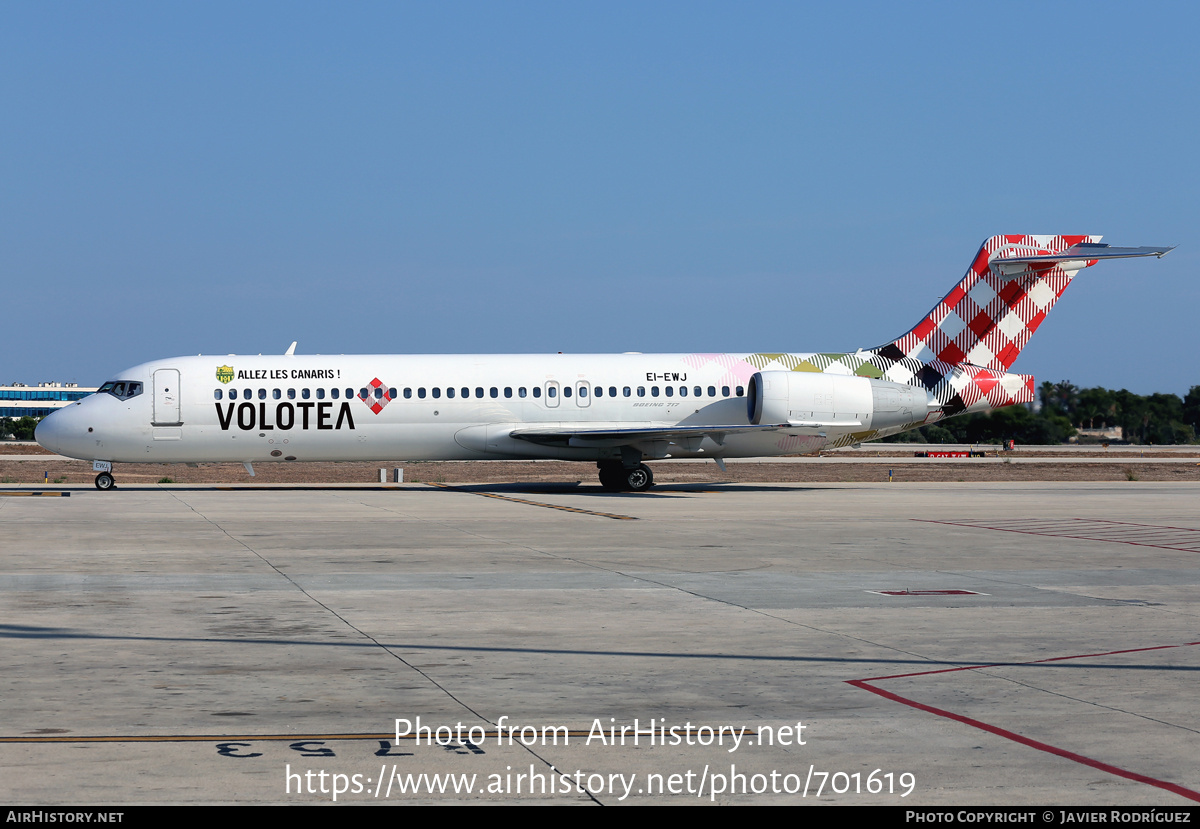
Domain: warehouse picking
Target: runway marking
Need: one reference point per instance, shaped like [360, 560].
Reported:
[865, 685]
[189, 738]
[494, 734]
[945, 592]
[48, 493]
[301, 488]
[1090, 529]
[537, 503]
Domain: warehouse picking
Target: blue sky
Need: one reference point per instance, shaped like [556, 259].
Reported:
[183, 178]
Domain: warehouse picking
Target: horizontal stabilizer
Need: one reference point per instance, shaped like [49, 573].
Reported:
[1088, 251]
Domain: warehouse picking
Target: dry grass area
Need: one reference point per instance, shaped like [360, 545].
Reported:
[77, 472]
[9, 448]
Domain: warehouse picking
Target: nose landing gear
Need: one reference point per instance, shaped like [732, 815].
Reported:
[105, 481]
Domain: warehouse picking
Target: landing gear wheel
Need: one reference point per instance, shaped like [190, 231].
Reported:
[639, 479]
[104, 481]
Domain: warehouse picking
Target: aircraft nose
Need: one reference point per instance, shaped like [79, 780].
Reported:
[49, 432]
[62, 432]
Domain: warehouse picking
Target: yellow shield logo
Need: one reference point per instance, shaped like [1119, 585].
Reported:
[225, 373]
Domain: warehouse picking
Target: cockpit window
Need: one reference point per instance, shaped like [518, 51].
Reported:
[121, 389]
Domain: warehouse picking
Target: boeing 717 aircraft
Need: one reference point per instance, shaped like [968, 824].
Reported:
[617, 411]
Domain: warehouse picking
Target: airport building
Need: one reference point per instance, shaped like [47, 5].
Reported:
[20, 400]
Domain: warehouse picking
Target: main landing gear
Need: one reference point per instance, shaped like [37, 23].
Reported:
[105, 481]
[618, 478]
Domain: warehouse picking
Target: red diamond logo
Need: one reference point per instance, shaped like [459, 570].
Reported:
[376, 395]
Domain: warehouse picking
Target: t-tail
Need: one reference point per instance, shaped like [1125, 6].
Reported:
[962, 350]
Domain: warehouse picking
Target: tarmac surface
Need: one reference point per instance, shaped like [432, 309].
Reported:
[973, 644]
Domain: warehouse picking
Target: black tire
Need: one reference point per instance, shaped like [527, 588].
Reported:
[104, 482]
[639, 479]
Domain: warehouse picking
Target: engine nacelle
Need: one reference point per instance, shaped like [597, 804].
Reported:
[813, 397]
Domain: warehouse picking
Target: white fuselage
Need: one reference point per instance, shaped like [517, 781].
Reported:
[445, 407]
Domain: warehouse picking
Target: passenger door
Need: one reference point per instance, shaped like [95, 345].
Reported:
[166, 398]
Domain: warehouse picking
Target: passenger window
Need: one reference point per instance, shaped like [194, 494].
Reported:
[421, 392]
[654, 391]
[494, 392]
[583, 391]
[466, 392]
[551, 392]
[625, 391]
[349, 393]
[724, 391]
[521, 392]
[508, 391]
[612, 391]
[599, 391]
[450, 392]
[641, 391]
[306, 393]
[407, 394]
[217, 395]
[670, 390]
[479, 391]
[683, 391]
[740, 391]
[333, 393]
[712, 391]
[392, 394]
[436, 392]
[537, 391]
[320, 394]
[566, 391]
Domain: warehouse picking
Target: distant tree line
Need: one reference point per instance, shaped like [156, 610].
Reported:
[18, 428]
[1154, 418]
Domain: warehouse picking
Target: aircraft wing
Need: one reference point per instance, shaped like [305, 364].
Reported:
[563, 435]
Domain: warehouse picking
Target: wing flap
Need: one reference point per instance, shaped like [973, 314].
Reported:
[585, 436]
[562, 435]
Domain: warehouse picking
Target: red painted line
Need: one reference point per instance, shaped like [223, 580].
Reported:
[1040, 746]
[1018, 738]
[1032, 662]
[928, 592]
[1133, 524]
[1187, 546]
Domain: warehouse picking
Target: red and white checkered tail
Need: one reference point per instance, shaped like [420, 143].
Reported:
[987, 318]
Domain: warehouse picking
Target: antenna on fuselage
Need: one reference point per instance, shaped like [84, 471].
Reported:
[291, 350]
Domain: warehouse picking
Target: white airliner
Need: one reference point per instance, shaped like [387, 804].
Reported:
[616, 411]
